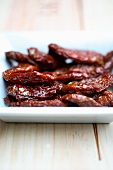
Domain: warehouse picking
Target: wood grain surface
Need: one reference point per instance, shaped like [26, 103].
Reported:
[56, 146]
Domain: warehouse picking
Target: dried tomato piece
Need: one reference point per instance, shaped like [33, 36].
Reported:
[108, 65]
[66, 77]
[29, 77]
[22, 67]
[91, 85]
[44, 61]
[79, 56]
[92, 70]
[20, 92]
[34, 103]
[19, 57]
[105, 98]
[81, 100]
[75, 72]
[38, 77]
[108, 55]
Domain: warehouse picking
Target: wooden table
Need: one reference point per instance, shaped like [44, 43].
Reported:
[56, 146]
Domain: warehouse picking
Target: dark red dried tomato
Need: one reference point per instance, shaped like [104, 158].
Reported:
[20, 92]
[34, 103]
[79, 56]
[28, 77]
[81, 100]
[44, 61]
[17, 56]
[88, 86]
[25, 67]
[105, 98]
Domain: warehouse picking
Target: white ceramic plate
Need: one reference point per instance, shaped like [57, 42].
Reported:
[20, 41]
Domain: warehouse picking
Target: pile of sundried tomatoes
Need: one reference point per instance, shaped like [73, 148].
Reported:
[62, 77]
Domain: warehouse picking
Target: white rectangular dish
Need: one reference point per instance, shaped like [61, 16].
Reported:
[20, 41]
